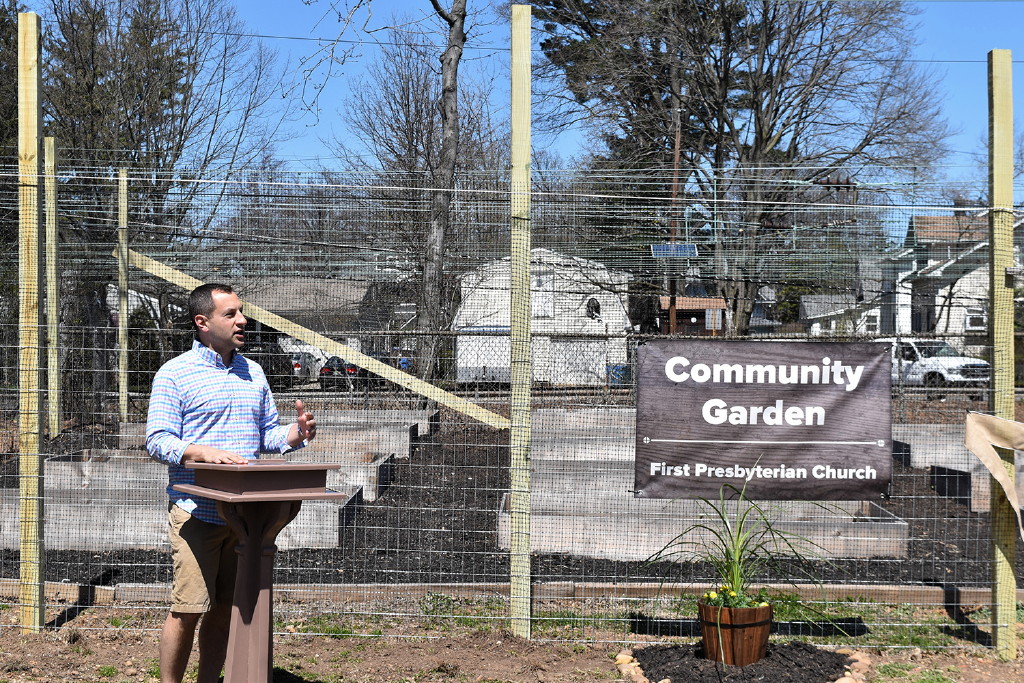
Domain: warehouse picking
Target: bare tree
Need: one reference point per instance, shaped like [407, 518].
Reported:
[394, 134]
[392, 112]
[403, 132]
[168, 86]
[758, 94]
[171, 89]
[430, 311]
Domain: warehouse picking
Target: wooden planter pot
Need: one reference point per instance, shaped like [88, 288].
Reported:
[735, 635]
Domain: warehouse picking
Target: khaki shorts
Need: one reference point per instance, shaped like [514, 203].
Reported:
[204, 561]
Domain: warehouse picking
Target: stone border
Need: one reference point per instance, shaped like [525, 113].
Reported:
[856, 672]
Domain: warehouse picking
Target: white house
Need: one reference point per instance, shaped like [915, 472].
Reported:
[940, 278]
[936, 283]
[578, 319]
[856, 311]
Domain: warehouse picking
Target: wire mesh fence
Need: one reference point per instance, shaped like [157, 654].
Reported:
[423, 536]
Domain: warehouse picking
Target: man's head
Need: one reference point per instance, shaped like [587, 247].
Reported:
[216, 314]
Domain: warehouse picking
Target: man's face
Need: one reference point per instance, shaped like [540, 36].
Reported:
[224, 329]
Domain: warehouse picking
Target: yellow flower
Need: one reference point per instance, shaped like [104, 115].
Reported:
[712, 595]
[725, 587]
[763, 604]
[732, 594]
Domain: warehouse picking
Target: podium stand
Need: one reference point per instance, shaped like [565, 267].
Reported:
[257, 500]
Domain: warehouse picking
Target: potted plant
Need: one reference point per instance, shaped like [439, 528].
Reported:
[738, 538]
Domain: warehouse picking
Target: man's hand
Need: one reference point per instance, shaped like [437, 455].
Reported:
[305, 425]
[197, 453]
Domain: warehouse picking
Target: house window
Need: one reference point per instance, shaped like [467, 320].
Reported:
[871, 323]
[542, 295]
[975, 319]
[712, 319]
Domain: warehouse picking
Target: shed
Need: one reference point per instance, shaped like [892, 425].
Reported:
[578, 320]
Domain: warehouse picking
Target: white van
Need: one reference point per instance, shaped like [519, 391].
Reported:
[934, 364]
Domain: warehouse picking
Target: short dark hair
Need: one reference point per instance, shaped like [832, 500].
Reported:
[200, 300]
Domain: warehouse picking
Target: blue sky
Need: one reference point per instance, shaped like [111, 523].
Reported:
[958, 36]
[955, 37]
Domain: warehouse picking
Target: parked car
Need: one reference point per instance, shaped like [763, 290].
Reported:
[337, 374]
[401, 359]
[935, 365]
[303, 367]
[276, 364]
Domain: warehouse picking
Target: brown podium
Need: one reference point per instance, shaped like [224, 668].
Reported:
[257, 500]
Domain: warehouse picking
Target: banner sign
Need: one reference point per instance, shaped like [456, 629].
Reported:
[789, 420]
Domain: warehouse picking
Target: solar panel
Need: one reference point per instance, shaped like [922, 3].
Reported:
[674, 250]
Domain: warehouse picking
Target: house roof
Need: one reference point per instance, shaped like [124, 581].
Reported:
[317, 303]
[959, 226]
[694, 303]
[542, 256]
[957, 265]
[824, 305]
[299, 293]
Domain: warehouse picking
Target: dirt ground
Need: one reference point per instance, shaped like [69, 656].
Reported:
[390, 545]
[94, 647]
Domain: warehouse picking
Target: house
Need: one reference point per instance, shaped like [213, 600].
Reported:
[837, 314]
[856, 310]
[695, 315]
[940, 280]
[148, 304]
[936, 282]
[578, 319]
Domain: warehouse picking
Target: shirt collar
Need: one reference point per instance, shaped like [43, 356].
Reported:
[212, 357]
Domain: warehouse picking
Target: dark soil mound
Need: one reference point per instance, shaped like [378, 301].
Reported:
[796, 662]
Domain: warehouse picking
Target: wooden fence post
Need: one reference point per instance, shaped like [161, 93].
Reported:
[122, 295]
[30, 289]
[1001, 282]
[52, 291]
[522, 366]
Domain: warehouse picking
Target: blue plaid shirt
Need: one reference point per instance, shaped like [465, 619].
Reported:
[197, 400]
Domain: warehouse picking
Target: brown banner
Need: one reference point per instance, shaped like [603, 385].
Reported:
[788, 420]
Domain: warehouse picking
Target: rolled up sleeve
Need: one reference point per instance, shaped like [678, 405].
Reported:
[273, 436]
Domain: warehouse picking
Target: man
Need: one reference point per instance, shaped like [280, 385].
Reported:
[210, 404]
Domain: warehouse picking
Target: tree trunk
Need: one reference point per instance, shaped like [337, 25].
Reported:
[431, 312]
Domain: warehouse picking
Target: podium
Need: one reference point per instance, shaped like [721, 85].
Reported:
[257, 500]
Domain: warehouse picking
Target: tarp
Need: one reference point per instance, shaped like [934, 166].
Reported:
[982, 434]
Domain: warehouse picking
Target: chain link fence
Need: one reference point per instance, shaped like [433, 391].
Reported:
[423, 536]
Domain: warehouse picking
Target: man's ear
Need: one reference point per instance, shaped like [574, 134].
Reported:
[202, 322]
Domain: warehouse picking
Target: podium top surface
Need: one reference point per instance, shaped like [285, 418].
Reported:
[259, 479]
[276, 465]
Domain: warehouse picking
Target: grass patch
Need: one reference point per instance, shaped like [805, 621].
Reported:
[564, 624]
[444, 612]
[330, 625]
[932, 676]
[122, 622]
[860, 622]
[894, 669]
[153, 668]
